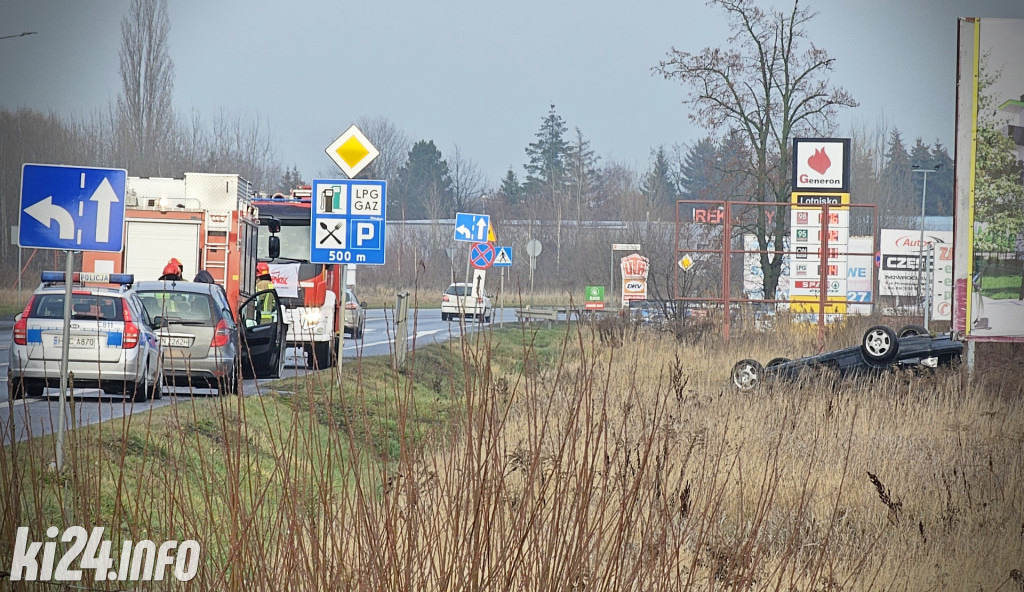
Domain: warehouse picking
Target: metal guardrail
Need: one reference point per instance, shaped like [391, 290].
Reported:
[536, 314]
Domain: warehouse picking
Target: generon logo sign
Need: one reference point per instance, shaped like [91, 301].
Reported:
[821, 164]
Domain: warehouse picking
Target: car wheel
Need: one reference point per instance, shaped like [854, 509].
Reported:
[444, 316]
[140, 390]
[228, 385]
[360, 329]
[776, 362]
[747, 374]
[880, 344]
[158, 387]
[911, 330]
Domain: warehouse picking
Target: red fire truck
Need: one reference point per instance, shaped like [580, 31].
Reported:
[312, 294]
[206, 221]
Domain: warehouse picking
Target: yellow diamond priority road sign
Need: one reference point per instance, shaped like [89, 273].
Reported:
[352, 152]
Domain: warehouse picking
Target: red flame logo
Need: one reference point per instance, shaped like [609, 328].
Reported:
[819, 161]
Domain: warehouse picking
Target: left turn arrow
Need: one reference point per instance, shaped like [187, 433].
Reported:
[44, 211]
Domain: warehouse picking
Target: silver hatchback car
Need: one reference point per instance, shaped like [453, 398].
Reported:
[198, 334]
[111, 344]
[204, 345]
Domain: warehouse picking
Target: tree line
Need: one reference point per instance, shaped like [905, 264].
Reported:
[563, 188]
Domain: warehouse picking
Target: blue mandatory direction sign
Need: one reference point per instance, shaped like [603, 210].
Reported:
[348, 221]
[71, 208]
[471, 228]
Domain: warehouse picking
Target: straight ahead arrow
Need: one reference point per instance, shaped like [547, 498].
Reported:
[103, 196]
[481, 225]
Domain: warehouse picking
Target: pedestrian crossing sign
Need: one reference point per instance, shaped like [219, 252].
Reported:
[502, 257]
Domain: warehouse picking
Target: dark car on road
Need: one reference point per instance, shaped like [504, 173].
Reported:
[880, 349]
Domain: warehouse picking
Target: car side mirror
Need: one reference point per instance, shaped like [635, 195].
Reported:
[363, 304]
[159, 321]
[274, 247]
[17, 317]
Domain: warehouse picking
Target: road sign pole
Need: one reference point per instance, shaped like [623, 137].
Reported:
[69, 269]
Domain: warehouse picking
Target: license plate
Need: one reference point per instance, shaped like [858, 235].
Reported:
[176, 341]
[76, 341]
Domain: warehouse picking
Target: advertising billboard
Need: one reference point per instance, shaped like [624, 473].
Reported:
[989, 223]
[904, 270]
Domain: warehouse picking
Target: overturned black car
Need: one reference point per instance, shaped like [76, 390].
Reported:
[880, 349]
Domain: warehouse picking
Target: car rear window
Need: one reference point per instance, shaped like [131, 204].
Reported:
[179, 306]
[95, 307]
[458, 291]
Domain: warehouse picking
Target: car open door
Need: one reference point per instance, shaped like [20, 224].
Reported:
[263, 340]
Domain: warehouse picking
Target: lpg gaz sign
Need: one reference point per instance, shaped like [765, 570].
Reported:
[348, 221]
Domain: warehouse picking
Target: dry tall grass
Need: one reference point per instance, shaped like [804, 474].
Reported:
[558, 460]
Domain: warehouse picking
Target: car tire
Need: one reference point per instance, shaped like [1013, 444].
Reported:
[746, 375]
[228, 385]
[879, 345]
[911, 330]
[359, 330]
[140, 390]
[776, 362]
[158, 388]
[444, 316]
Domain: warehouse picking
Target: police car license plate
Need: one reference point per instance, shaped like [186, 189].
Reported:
[176, 341]
[76, 341]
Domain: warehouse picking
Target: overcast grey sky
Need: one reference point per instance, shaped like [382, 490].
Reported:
[473, 73]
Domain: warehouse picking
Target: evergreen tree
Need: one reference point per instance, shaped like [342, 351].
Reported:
[940, 198]
[545, 171]
[581, 173]
[698, 176]
[424, 187]
[511, 189]
[896, 180]
[658, 186]
[290, 180]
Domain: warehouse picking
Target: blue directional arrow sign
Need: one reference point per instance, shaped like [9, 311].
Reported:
[471, 228]
[72, 208]
[348, 221]
[502, 257]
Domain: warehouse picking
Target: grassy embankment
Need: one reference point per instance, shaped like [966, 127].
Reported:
[570, 458]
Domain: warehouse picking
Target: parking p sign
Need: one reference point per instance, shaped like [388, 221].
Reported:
[348, 221]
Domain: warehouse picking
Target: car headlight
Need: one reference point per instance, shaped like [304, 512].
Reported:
[312, 316]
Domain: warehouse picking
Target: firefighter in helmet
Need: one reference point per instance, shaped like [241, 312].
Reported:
[172, 271]
[268, 304]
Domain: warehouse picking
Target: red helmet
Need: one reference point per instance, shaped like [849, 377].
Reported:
[262, 268]
[171, 268]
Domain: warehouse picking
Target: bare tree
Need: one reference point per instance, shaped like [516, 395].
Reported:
[392, 143]
[144, 113]
[768, 87]
[467, 181]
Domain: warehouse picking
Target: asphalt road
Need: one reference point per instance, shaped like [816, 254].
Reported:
[35, 416]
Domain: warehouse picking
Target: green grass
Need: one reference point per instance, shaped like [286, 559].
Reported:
[186, 470]
[1001, 287]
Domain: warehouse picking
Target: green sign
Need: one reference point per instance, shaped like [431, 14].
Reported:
[595, 294]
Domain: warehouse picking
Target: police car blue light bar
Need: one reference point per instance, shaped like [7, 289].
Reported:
[57, 277]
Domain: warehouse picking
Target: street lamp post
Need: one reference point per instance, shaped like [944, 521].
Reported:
[923, 290]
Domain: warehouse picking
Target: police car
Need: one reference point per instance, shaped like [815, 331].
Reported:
[111, 342]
